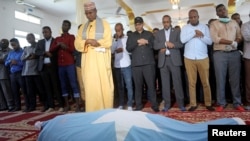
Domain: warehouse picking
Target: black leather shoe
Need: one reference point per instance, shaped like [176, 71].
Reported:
[11, 109]
[32, 109]
[26, 110]
[192, 108]
[156, 110]
[210, 108]
[17, 109]
[4, 109]
[44, 109]
[138, 109]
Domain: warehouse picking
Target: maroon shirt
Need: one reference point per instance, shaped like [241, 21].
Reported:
[65, 56]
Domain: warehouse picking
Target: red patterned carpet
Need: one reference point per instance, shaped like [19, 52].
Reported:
[201, 114]
[19, 126]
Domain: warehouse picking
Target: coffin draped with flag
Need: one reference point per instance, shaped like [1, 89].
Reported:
[123, 125]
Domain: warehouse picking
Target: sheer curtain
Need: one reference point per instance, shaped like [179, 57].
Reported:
[80, 15]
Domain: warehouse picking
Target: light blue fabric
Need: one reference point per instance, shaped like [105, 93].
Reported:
[110, 125]
[195, 48]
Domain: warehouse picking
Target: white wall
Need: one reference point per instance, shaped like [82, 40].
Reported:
[8, 22]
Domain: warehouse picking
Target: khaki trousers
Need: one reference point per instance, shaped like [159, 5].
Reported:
[202, 68]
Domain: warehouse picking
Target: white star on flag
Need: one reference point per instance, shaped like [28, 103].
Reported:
[124, 120]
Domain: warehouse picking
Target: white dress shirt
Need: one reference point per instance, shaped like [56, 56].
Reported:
[195, 48]
[47, 46]
[167, 34]
[122, 59]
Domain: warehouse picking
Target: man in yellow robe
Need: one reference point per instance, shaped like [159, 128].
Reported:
[94, 40]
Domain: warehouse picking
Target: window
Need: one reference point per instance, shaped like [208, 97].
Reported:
[21, 36]
[27, 18]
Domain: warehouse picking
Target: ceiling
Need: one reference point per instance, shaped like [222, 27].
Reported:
[151, 10]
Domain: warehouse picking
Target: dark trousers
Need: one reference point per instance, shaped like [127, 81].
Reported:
[6, 96]
[67, 75]
[158, 78]
[17, 83]
[3, 104]
[247, 80]
[168, 71]
[227, 62]
[51, 84]
[147, 73]
[33, 85]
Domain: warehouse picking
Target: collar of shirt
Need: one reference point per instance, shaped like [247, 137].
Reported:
[48, 39]
[167, 29]
[167, 33]
[18, 50]
[138, 32]
[65, 34]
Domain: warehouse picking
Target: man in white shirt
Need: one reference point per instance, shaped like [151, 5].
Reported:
[196, 37]
[122, 65]
[48, 68]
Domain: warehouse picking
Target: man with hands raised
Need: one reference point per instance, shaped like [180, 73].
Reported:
[140, 45]
[196, 37]
[167, 42]
[226, 35]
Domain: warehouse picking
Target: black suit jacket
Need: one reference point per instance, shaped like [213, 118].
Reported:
[40, 50]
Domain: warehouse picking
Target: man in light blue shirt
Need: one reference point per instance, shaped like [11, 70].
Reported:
[196, 37]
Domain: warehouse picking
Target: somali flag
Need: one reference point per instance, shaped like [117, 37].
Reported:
[123, 125]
